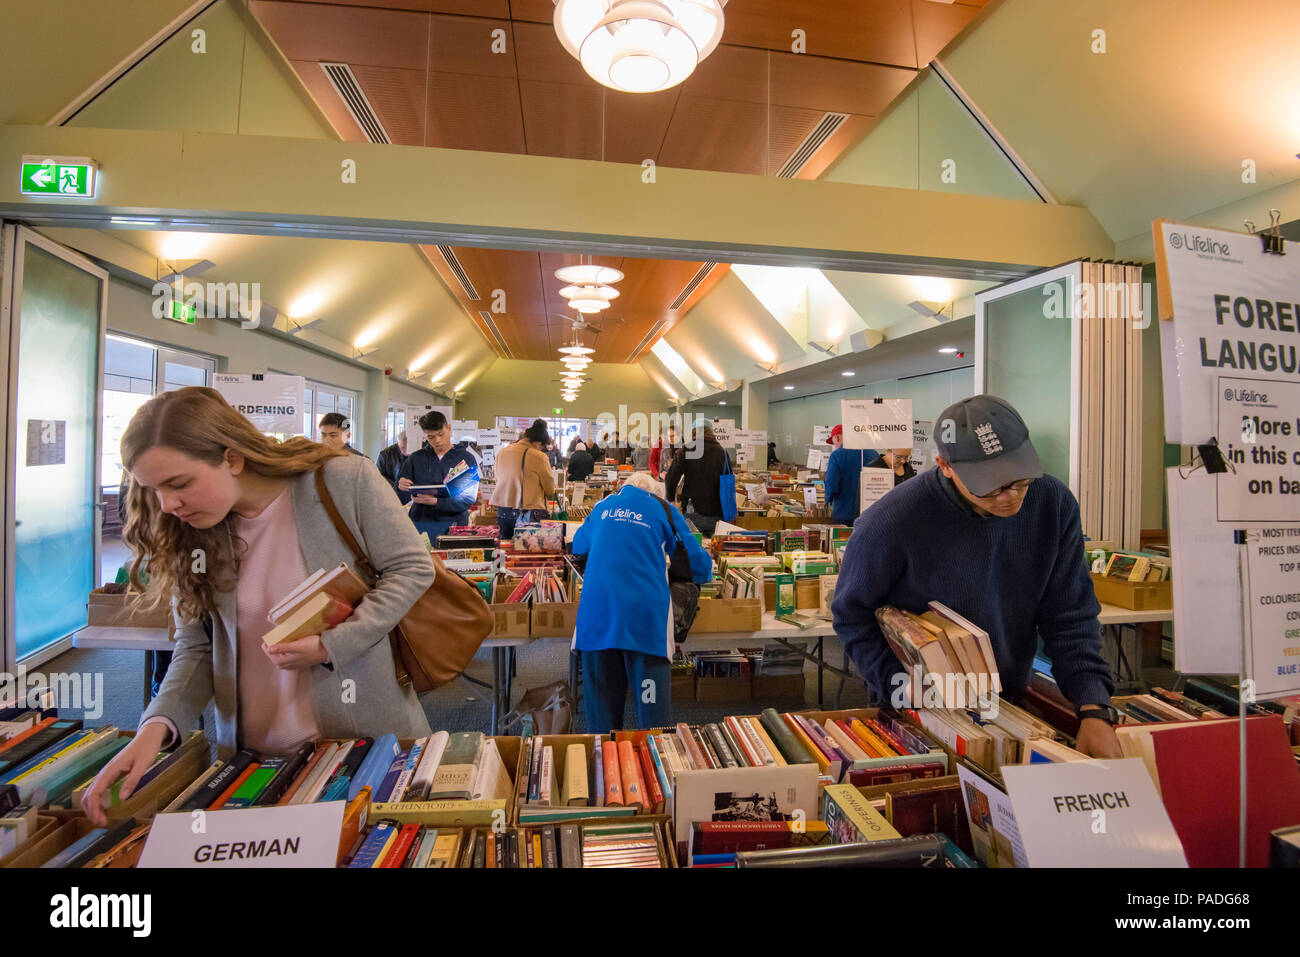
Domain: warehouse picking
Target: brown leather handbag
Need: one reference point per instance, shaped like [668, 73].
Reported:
[441, 632]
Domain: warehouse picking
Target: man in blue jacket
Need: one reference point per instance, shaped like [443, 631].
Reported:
[625, 618]
[437, 510]
[844, 476]
[997, 541]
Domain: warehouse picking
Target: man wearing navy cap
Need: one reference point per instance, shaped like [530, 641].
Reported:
[997, 541]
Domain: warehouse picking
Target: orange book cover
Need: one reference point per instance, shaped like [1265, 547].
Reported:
[886, 749]
[354, 816]
[220, 802]
[399, 848]
[862, 736]
[653, 790]
[633, 785]
[822, 763]
[490, 859]
[537, 849]
[21, 735]
[613, 788]
[307, 769]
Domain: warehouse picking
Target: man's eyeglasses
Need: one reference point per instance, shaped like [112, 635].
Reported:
[1019, 488]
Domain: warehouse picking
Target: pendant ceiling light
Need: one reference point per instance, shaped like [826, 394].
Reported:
[576, 350]
[639, 46]
[589, 274]
[576, 362]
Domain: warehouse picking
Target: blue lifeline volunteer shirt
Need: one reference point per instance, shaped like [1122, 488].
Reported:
[1015, 577]
[843, 480]
[625, 599]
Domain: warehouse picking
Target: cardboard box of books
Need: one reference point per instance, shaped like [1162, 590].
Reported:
[509, 619]
[935, 755]
[642, 842]
[38, 851]
[1138, 596]
[554, 611]
[562, 777]
[470, 782]
[124, 611]
[768, 688]
[759, 523]
[43, 825]
[728, 614]
[171, 774]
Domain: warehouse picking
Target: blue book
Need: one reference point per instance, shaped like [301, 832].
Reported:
[375, 766]
[373, 844]
[43, 755]
[697, 859]
[72, 850]
[390, 779]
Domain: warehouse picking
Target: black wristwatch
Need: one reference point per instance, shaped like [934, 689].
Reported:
[1102, 711]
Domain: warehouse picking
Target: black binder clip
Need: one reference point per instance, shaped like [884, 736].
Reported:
[1212, 457]
[1271, 239]
[878, 400]
[257, 377]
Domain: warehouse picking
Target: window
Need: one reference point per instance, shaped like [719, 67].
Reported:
[394, 423]
[320, 399]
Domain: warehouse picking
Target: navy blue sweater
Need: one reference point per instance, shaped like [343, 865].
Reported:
[424, 467]
[1015, 577]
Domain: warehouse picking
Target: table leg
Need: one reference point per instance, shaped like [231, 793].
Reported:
[821, 674]
[574, 676]
[497, 682]
[148, 679]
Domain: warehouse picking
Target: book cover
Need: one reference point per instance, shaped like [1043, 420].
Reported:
[630, 771]
[850, 817]
[456, 770]
[575, 776]
[766, 793]
[613, 776]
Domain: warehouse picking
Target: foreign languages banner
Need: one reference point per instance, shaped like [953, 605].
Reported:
[273, 403]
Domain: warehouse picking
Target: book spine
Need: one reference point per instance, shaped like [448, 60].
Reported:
[805, 742]
[375, 843]
[720, 746]
[654, 792]
[256, 783]
[384, 791]
[219, 782]
[631, 774]
[397, 854]
[403, 782]
[711, 756]
[662, 770]
[535, 771]
[548, 770]
[785, 741]
[745, 751]
[690, 748]
[762, 755]
[598, 769]
[550, 857]
[613, 778]
[288, 774]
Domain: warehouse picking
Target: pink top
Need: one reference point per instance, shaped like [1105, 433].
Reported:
[275, 705]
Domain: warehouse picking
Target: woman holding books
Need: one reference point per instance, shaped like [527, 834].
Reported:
[230, 522]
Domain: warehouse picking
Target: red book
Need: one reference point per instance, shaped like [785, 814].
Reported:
[400, 847]
[630, 769]
[307, 769]
[613, 786]
[1199, 766]
[521, 589]
[894, 773]
[654, 792]
[39, 725]
[229, 792]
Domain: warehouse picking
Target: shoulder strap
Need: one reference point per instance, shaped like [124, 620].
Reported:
[671, 524]
[340, 526]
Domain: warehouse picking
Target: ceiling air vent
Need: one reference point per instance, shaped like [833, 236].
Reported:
[496, 333]
[346, 86]
[462, 277]
[690, 286]
[812, 143]
[649, 338]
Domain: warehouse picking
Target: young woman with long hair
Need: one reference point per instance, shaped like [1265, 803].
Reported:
[230, 521]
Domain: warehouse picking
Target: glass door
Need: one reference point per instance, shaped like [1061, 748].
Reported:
[53, 331]
[176, 370]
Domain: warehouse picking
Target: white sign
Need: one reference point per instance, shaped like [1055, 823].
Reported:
[1259, 432]
[1273, 596]
[273, 403]
[464, 429]
[993, 830]
[924, 450]
[822, 434]
[873, 486]
[877, 423]
[744, 454]
[295, 835]
[414, 434]
[723, 436]
[1092, 814]
[577, 490]
[1206, 583]
[809, 497]
[728, 424]
[750, 437]
[1234, 312]
[815, 459]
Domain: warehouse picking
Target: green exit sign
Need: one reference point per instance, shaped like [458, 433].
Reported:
[58, 176]
[557, 412]
[182, 312]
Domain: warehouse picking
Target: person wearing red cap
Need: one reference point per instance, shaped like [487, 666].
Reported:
[843, 475]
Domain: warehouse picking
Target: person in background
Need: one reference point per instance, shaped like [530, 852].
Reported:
[1000, 543]
[896, 459]
[661, 456]
[524, 480]
[336, 432]
[436, 510]
[772, 457]
[698, 475]
[641, 455]
[581, 464]
[844, 477]
[203, 477]
[616, 450]
[573, 444]
[624, 630]
[391, 459]
[597, 453]
[553, 454]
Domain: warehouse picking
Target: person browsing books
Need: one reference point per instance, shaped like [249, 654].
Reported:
[229, 522]
[449, 467]
[898, 460]
[624, 630]
[998, 542]
[524, 480]
[336, 432]
[581, 464]
[391, 458]
[844, 477]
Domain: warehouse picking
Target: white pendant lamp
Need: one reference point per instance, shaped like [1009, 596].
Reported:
[576, 350]
[588, 274]
[639, 46]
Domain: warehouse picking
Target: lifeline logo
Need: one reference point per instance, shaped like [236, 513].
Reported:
[1198, 244]
[103, 910]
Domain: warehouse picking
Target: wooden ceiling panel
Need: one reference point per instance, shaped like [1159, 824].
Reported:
[398, 99]
[818, 83]
[635, 125]
[731, 73]
[355, 35]
[481, 8]
[879, 31]
[561, 119]
[475, 113]
[716, 134]
[322, 91]
[536, 11]
[937, 24]
[790, 127]
[540, 56]
[465, 45]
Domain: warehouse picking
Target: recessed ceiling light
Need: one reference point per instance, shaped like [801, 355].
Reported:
[788, 388]
[948, 349]
[848, 373]
[723, 402]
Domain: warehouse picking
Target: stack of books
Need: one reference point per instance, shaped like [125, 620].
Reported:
[390, 843]
[1135, 566]
[55, 758]
[949, 659]
[1009, 735]
[1162, 705]
[625, 844]
[586, 776]
[324, 600]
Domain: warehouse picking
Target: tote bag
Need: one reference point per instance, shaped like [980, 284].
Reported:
[727, 489]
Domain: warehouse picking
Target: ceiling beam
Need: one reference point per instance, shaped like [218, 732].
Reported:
[283, 186]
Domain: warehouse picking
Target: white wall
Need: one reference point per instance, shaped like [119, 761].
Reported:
[130, 312]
